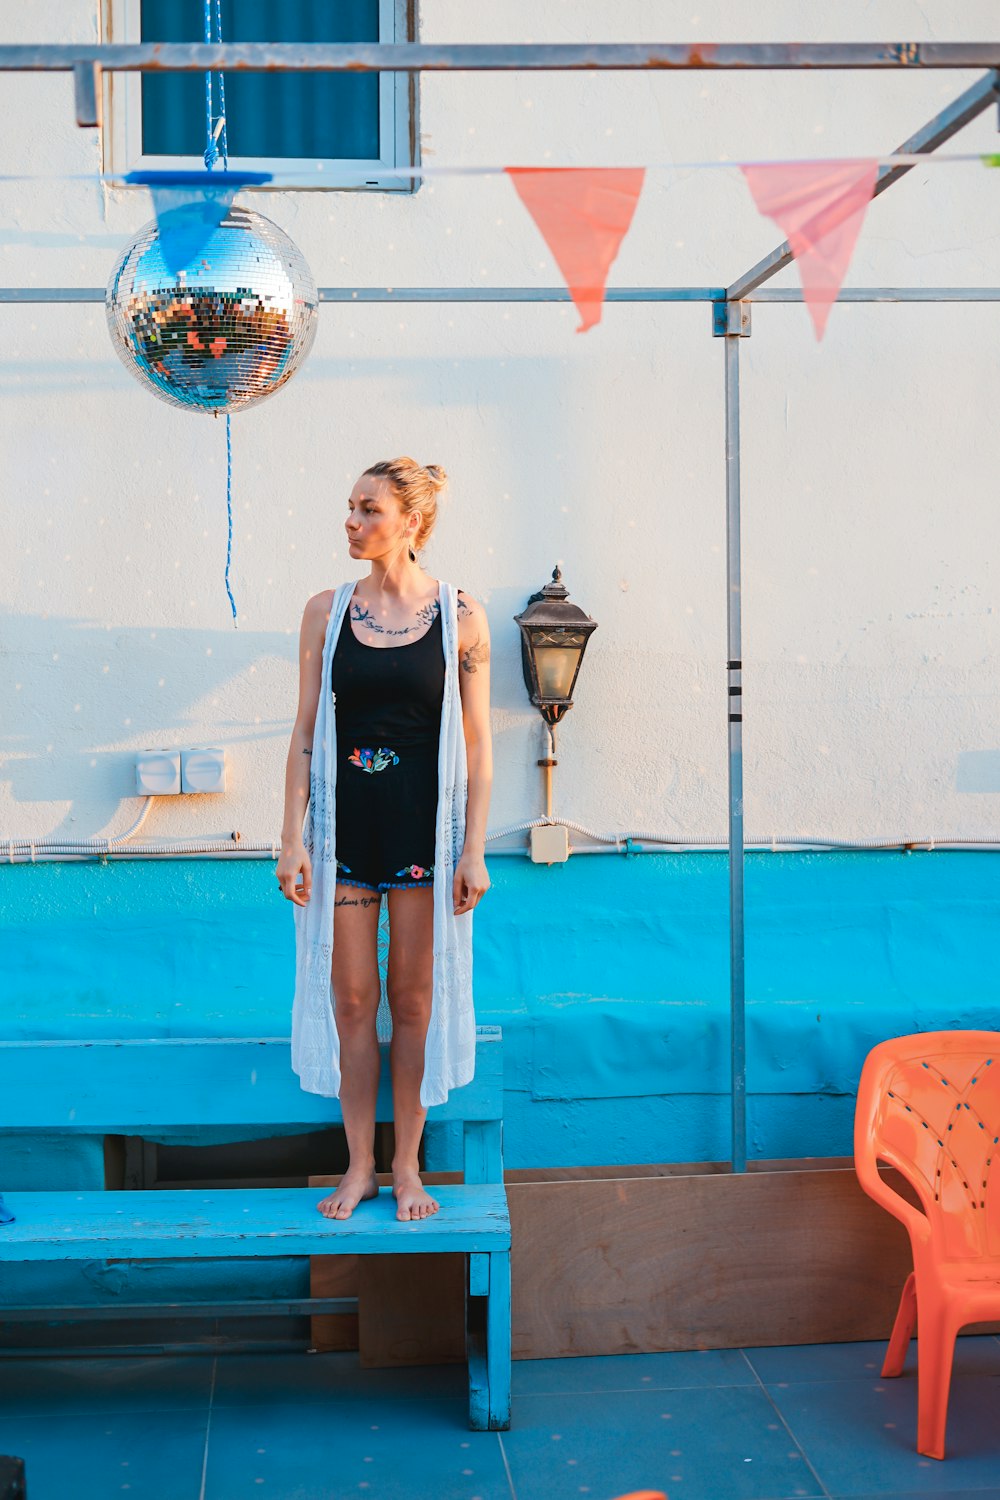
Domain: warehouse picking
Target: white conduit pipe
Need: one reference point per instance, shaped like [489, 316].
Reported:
[22, 850]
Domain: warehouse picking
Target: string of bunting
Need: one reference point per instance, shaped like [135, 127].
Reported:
[584, 213]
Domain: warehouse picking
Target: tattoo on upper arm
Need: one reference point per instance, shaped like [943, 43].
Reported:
[463, 607]
[307, 752]
[476, 655]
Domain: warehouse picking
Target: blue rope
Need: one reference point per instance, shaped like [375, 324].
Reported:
[222, 89]
[211, 149]
[229, 512]
[211, 157]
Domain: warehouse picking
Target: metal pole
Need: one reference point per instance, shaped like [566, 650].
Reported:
[23, 295]
[737, 998]
[457, 294]
[410, 57]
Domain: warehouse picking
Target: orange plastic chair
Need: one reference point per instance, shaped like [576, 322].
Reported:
[929, 1105]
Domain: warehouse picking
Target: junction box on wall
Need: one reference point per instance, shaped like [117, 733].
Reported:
[550, 844]
[170, 773]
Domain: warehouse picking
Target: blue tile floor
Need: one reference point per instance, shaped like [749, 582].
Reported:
[752, 1424]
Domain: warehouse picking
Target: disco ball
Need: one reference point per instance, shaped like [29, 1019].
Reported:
[212, 314]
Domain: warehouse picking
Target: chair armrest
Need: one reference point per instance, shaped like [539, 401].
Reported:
[866, 1160]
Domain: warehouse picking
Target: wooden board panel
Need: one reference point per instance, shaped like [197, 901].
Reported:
[665, 1263]
[673, 1169]
[412, 1310]
[334, 1276]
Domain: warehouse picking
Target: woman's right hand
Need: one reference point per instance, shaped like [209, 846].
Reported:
[291, 861]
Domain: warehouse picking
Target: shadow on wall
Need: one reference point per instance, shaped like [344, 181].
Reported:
[83, 695]
[79, 691]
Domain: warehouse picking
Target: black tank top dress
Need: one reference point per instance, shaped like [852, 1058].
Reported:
[388, 723]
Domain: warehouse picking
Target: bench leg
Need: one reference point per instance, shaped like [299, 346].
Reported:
[498, 1341]
[477, 1288]
[488, 1341]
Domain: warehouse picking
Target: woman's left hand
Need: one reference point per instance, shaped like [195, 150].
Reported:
[470, 883]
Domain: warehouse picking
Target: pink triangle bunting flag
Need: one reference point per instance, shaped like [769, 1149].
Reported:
[584, 214]
[819, 206]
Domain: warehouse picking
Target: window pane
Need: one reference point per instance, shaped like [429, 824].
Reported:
[327, 115]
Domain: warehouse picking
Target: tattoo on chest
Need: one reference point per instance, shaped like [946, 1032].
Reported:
[426, 616]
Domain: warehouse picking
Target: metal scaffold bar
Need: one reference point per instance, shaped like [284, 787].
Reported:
[513, 294]
[410, 57]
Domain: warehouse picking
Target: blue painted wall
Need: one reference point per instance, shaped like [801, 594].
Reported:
[609, 976]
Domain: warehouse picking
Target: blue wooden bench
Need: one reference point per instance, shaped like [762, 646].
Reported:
[152, 1087]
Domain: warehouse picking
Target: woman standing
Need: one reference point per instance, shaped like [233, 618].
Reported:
[397, 780]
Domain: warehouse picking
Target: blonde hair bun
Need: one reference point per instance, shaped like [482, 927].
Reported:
[416, 487]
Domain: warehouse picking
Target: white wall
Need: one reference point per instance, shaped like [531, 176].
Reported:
[870, 460]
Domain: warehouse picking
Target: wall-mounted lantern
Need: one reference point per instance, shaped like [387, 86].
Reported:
[554, 636]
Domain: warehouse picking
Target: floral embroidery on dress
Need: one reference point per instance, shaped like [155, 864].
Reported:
[373, 760]
[416, 872]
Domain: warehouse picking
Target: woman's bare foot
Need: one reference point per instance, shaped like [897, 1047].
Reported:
[356, 1183]
[412, 1199]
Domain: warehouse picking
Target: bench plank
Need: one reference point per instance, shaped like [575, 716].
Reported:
[194, 1224]
[137, 1086]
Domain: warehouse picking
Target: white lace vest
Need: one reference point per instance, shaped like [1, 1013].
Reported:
[450, 1050]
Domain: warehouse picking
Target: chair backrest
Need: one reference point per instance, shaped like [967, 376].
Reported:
[929, 1105]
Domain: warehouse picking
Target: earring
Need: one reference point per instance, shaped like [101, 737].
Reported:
[413, 555]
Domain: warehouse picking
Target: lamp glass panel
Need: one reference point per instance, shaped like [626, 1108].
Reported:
[556, 667]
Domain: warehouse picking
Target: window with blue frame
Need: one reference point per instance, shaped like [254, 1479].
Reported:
[270, 116]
